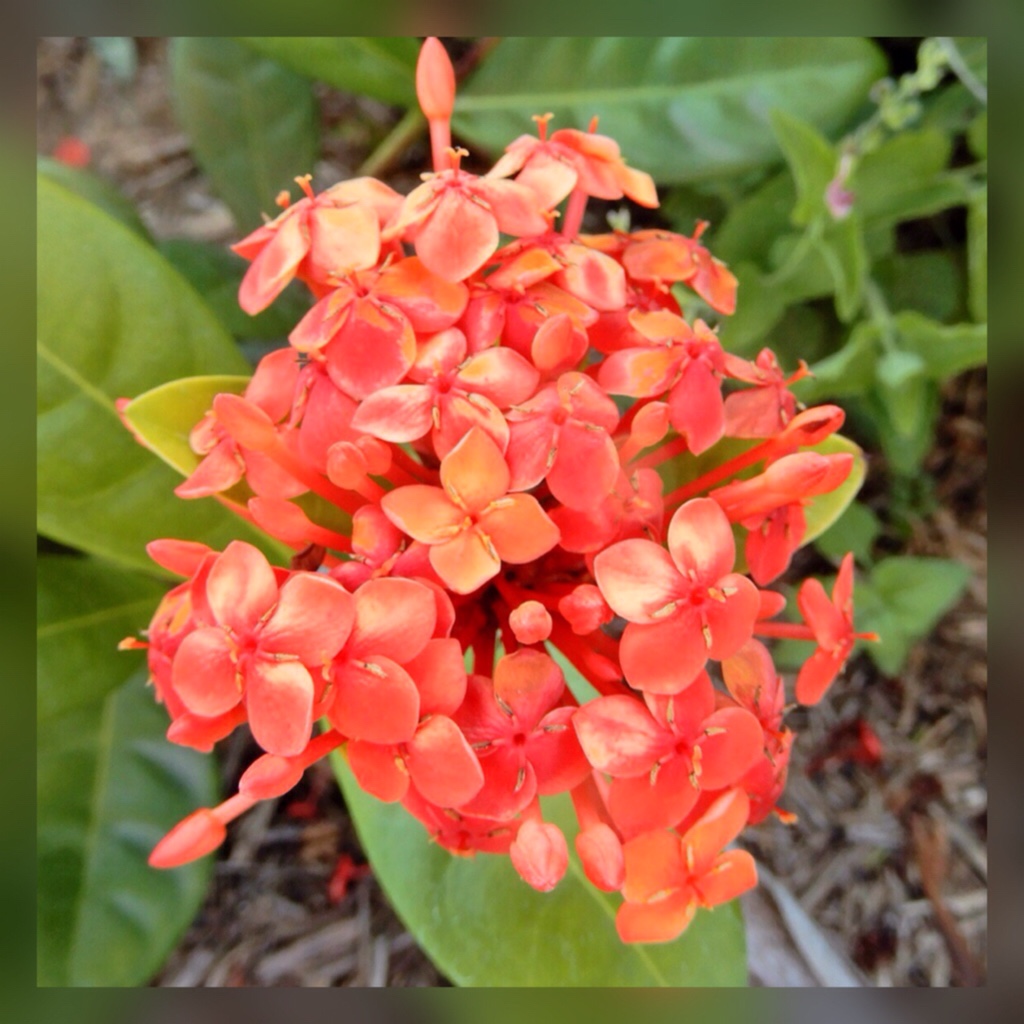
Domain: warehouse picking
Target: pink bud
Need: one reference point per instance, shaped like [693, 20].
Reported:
[650, 424]
[435, 80]
[600, 852]
[530, 622]
[193, 837]
[540, 855]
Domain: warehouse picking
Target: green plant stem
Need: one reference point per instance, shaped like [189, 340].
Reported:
[797, 254]
[959, 67]
[408, 129]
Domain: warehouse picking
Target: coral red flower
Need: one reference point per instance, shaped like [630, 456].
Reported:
[472, 524]
[686, 600]
[262, 646]
[831, 621]
[668, 877]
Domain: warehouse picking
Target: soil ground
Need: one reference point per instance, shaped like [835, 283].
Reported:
[882, 880]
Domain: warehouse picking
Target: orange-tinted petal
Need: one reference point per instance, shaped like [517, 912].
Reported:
[639, 372]
[733, 873]
[466, 562]
[439, 672]
[400, 413]
[619, 735]
[642, 654]
[701, 541]
[586, 466]
[734, 743]
[312, 620]
[474, 473]
[342, 239]
[378, 770]
[638, 805]
[430, 302]
[425, 513]
[458, 236]
[272, 270]
[529, 683]
[655, 865]
[656, 922]
[519, 528]
[375, 701]
[718, 826]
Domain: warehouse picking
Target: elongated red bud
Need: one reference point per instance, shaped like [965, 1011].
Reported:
[540, 855]
[812, 426]
[585, 609]
[435, 81]
[193, 837]
[600, 851]
[269, 776]
[182, 557]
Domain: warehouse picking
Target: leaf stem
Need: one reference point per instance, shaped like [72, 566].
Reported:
[404, 133]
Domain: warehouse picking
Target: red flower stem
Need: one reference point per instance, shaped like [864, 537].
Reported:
[233, 807]
[402, 460]
[574, 211]
[319, 746]
[588, 662]
[784, 630]
[590, 806]
[669, 450]
[719, 473]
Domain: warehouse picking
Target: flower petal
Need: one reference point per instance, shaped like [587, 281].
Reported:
[638, 805]
[637, 578]
[279, 703]
[528, 683]
[733, 744]
[458, 237]
[241, 587]
[425, 513]
[644, 654]
[474, 473]
[466, 562]
[662, 921]
[701, 541]
[312, 620]
[439, 672]
[443, 767]
[400, 413]
[394, 618]
[586, 466]
[654, 865]
[378, 769]
[204, 673]
[620, 736]
[375, 701]
[519, 528]
[731, 875]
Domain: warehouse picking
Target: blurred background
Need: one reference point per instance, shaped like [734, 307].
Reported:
[845, 182]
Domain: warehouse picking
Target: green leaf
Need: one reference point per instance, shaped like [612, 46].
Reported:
[906, 178]
[382, 67]
[164, 416]
[253, 124]
[929, 281]
[906, 420]
[977, 256]
[903, 600]
[812, 161]
[855, 530]
[85, 608]
[682, 109]
[759, 305]
[114, 319]
[842, 248]
[944, 350]
[109, 785]
[93, 189]
[216, 273]
[849, 371]
[752, 226]
[483, 926]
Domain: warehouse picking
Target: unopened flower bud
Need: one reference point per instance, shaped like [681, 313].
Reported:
[193, 837]
[540, 855]
[600, 853]
[531, 622]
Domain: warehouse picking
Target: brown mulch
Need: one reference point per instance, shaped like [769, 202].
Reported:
[882, 880]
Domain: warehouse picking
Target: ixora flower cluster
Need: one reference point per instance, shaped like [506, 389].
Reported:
[448, 399]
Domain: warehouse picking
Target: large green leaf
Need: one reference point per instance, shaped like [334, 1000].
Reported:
[114, 319]
[483, 926]
[95, 189]
[109, 785]
[382, 67]
[681, 108]
[252, 122]
[944, 350]
[812, 161]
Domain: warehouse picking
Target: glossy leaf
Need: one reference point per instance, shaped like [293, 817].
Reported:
[483, 926]
[114, 319]
[378, 66]
[252, 123]
[821, 512]
[681, 108]
[108, 786]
